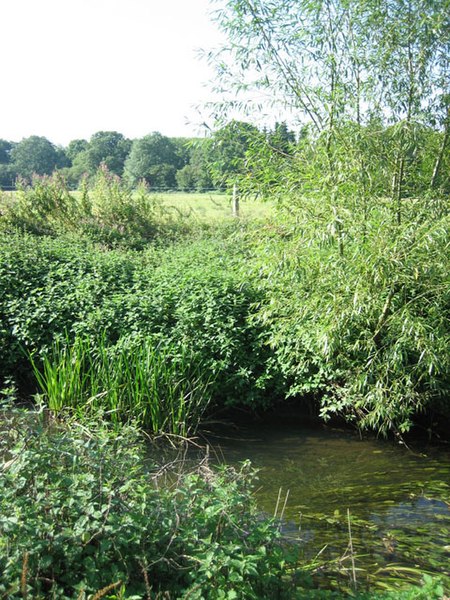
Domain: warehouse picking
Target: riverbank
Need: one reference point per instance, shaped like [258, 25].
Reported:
[87, 515]
[109, 308]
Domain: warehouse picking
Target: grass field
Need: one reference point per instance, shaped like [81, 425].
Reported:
[200, 206]
[213, 206]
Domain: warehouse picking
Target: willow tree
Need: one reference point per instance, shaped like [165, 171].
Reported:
[363, 324]
[410, 56]
[348, 70]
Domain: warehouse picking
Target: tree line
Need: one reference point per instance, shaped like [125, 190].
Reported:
[265, 161]
[162, 162]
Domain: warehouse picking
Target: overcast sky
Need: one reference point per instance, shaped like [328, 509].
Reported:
[74, 67]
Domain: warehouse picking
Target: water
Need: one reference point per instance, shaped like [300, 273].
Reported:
[398, 499]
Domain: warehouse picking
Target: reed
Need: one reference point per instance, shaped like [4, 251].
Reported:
[163, 389]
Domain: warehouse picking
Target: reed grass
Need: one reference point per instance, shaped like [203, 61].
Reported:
[163, 389]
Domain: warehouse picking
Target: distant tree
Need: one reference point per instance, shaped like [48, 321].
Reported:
[282, 139]
[227, 151]
[183, 146]
[5, 151]
[154, 158]
[195, 175]
[63, 160]
[75, 147]
[36, 154]
[186, 179]
[107, 147]
[7, 171]
[8, 176]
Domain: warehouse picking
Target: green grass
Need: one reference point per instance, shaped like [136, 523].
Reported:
[165, 390]
[213, 206]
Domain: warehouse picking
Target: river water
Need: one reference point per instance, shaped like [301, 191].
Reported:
[332, 488]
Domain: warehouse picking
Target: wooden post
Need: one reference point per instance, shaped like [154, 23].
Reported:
[235, 201]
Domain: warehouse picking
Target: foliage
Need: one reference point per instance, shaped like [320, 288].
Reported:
[82, 510]
[5, 151]
[35, 155]
[365, 333]
[162, 389]
[43, 206]
[108, 148]
[227, 151]
[118, 216]
[8, 176]
[105, 211]
[154, 159]
[195, 175]
[186, 296]
[355, 318]
[7, 171]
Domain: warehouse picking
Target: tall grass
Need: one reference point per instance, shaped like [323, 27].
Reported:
[163, 390]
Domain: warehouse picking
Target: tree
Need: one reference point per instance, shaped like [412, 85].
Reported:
[341, 67]
[227, 152]
[75, 148]
[5, 151]
[36, 155]
[155, 159]
[282, 139]
[195, 175]
[7, 171]
[108, 147]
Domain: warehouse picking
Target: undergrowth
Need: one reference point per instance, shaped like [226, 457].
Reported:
[83, 509]
[354, 320]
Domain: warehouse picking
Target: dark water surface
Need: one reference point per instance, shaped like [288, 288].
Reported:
[398, 498]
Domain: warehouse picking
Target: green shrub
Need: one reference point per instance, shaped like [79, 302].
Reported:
[188, 296]
[44, 207]
[105, 211]
[82, 509]
[366, 333]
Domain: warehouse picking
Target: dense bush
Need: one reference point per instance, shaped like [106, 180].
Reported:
[367, 333]
[82, 510]
[348, 308]
[54, 290]
[104, 210]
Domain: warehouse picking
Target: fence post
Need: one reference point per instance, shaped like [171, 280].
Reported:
[235, 201]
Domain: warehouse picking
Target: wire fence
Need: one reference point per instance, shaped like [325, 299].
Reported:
[154, 190]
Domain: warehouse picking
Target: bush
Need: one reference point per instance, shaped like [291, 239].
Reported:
[83, 510]
[106, 211]
[188, 296]
[366, 333]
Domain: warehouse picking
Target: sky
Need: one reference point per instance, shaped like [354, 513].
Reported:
[71, 68]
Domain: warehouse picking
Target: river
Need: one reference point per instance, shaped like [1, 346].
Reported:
[315, 478]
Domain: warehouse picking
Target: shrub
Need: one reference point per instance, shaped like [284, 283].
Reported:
[366, 333]
[187, 296]
[82, 510]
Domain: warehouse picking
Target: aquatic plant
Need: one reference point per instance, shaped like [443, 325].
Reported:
[164, 389]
